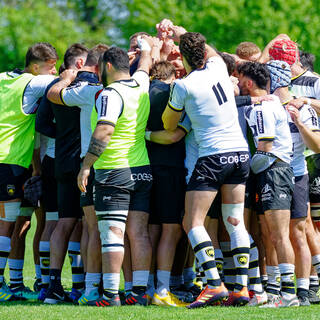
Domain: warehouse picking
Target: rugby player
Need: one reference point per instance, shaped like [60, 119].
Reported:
[271, 163]
[205, 102]
[122, 174]
[82, 94]
[305, 86]
[45, 124]
[67, 233]
[280, 75]
[167, 165]
[19, 92]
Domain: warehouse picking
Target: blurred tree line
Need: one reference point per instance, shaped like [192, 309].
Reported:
[225, 23]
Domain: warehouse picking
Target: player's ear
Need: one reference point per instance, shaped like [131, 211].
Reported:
[205, 55]
[109, 66]
[249, 83]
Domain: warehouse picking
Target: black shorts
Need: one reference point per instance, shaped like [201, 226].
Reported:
[49, 185]
[250, 200]
[300, 197]
[12, 178]
[68, 197]
[215, 209]
[211, 172]
[123, 189]
[313, 163]
[275, 187]
[86, 198]
[167, 195]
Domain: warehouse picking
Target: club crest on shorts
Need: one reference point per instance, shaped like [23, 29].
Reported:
[11, 189]
[242, 260]
[210, 253]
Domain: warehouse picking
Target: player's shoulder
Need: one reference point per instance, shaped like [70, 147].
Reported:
[109, 92]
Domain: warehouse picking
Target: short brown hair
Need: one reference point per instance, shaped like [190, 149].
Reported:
[162, 70]
[73, 52]
[246, 49]
[193, 47]
[41, 52]
[95, 53]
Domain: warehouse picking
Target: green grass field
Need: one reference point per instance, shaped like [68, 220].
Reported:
[38, 311]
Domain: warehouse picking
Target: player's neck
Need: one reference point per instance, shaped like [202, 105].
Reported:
[118, 76]
[89, 69]
[283, 94]
[257, 92]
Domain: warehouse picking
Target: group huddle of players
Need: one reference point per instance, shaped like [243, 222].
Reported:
[195, 172]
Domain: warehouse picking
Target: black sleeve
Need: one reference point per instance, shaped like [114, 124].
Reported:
[242, 101]
[45, 116]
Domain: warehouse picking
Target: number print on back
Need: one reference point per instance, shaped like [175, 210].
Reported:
[219, 93]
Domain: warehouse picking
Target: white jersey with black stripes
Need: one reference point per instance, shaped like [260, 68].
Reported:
[268, 122]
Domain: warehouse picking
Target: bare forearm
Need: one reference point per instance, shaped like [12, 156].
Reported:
[145, 61]
[314, 103]
[98, 143]
[167, 137]
[310, 138]
[54, 92]
[36, 162]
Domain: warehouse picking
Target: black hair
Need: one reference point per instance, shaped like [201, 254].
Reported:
[257, 72]
[75, 51]
[41, 52]
[95, 53]
[307, 60]
[118, 58]
[193, 47]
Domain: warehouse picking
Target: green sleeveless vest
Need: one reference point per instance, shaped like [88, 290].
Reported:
[127, 146]
[16, 128]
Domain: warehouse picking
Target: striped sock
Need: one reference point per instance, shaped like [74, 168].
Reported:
[4, 254]
[15, 272]
[203, 249]
[254, 278]
[316, 264]
[314, 283]
[76, 265]
[273, 284]
[229, 270]
[219, 262]
[287, 279]
[240, 247]
[38, 271]
[44, 253]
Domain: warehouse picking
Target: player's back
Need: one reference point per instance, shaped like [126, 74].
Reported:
[210, 105]
[306, 84]
[268, 121]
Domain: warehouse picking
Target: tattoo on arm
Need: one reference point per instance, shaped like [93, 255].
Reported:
[97, 147]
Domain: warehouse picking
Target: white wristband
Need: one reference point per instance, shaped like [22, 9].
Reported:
[309, 102]
[147, 135]
[143, 44]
